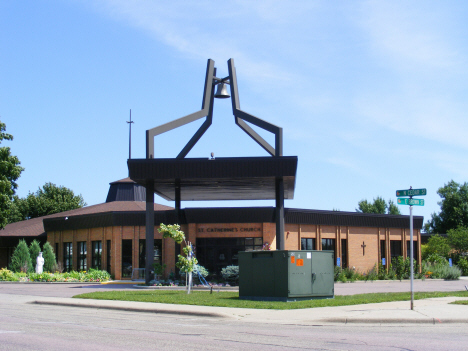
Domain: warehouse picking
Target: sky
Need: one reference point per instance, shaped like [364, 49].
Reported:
[371, 95]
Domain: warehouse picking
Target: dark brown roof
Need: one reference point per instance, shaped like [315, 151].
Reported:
[34, 227]
[223, 178]
[124, 180]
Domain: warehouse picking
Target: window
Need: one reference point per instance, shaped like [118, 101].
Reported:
[126, 258]
[415, 251]
[344, 253]
[157, 252]
[383, 252]
[96, 254]
[216, 253]
[307, 244]
[82, 266]
[329, 244]
[57, 250]
[109, 257]
[68, 257]
[395, 248]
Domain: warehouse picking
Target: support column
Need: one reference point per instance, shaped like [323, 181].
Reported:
[177, 214]
[149, 230]
[280, 240]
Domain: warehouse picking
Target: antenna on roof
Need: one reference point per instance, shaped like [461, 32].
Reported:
[130, 136]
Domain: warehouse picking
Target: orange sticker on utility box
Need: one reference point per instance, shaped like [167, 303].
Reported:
[299, 262]
[293, 259]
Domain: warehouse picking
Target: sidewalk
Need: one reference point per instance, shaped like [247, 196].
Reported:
[429, 311]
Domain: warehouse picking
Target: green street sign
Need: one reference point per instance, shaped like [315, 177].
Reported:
[411, 192]
[411, 202]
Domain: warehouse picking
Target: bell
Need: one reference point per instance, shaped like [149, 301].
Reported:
[221, 92]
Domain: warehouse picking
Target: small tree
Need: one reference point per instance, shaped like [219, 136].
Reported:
[49, 257]
[34, 249]
[185, 264]
[21, 259]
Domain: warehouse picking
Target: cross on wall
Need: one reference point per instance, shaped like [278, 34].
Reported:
[363, 248]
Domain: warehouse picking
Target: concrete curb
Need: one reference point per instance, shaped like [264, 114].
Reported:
[131, 309]
[428, 320]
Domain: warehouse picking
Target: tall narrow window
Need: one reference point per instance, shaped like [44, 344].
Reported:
[415, 251]
[109, 257]
[383, 251]
[395, 248]
[329, 244]
[82, 252]
[157, 252]
[127, 258]
[344, 253]
[68, 257]
[96, 254]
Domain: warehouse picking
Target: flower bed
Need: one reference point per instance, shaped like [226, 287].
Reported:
[92, 275]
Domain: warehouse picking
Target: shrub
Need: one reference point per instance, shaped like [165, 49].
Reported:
[202, 270]
[7, 275]
[231, 274]
[34, 250]
[463, 265]
[336, 273]
[97, 275]
[372, 274]
[49, 257]
[159, 269]
[450, 273]
[438, 259]
[21, 259]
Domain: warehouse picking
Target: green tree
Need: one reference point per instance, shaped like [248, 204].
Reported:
[10, 171]
[34, 249]
[458, 239]
[453, 209]
[21, 259]
[437, 245]
[48, 200]
[49, 257]
[378, 206]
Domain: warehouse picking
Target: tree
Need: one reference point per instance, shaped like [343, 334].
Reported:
[378, 206]
[34, 249]
[49, 257]
[453, 209]
[48, 200]
[437, 245]
[458, 239]
[185, 264]
[21, 259]
[10, 171]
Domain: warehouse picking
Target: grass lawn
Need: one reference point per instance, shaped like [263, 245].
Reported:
[231, 299]
[461, 302]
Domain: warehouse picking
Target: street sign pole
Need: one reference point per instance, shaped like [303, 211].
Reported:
[411, 255]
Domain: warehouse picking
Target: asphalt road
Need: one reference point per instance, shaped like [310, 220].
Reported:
[25, 326]
[38, 327]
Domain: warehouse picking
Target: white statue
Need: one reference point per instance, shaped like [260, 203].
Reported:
[39, 263]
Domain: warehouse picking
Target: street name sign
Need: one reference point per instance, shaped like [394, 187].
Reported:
[411, 192]
[411, 202]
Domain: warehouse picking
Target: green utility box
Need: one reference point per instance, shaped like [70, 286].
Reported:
[285, 275]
